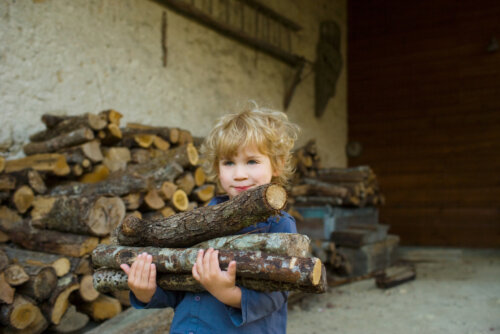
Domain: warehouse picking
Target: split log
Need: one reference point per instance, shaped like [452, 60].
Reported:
[81, 265]
[186, 182]
[112, 116]
[108, 280]
[37, 326]
[71, 321]
[22, 233]
[41, 283]
[134, 321]
[104, 307]
[75, 137]
[288, 244]
[51, 162]
[167, 212]
[15, 275]
[61, 264]
[252, 264]
[23, 198]
[116, 158]
[169, 134]
[87, 291]
[6, 291]
[124, 182]
[78, 154]
[167, 190]
[185, 137]
[36, 182]
[204, 193]
[8, 218]
[60, 125]
[161, 143]
[96, 216]
[57, 304]
[188, 228]
[20, 314]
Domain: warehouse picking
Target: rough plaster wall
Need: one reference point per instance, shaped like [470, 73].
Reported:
[76, 56]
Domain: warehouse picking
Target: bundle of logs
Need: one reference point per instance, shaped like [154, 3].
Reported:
[80, 178]
[265, 262]
[313, 185]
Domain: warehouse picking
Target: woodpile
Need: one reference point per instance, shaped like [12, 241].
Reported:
[314, 185]
[265, 262]
[80, 178]
[337, 209]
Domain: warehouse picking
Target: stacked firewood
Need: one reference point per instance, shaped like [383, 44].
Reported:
[356, 187]
[265, 262]
[80, 178]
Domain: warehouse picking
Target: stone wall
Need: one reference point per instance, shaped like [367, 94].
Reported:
[76, 56]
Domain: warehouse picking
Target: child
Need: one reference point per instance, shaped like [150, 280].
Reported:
[242, 151]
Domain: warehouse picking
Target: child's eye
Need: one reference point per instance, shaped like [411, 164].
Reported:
[227, 163]
[252, 162]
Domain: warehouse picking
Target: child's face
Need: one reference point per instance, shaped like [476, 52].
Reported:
[248, 169]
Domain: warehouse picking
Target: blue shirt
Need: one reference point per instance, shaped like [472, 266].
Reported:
[200, 313]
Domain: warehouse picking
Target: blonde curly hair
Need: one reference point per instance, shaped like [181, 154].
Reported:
[270, 132]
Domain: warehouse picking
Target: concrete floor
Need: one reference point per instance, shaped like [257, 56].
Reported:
[456, 291]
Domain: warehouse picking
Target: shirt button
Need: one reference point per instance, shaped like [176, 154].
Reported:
[197, 298]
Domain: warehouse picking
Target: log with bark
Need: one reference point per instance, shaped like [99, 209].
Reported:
[20, 314]
[25, 235]
[61, 264]
[59, 125]
[96, 216]
[188, 228]
[108, 280]
[23, 198]
[64, 140]
[15, 275]
[42, 280]
[6, 291]
[37, 326]
[169, 134]
[90, 151]
[49, 162]
[71, 321]
[104, 307]
[251, 264]
[57, 304]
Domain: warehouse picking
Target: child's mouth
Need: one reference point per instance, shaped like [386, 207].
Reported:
[242, 188]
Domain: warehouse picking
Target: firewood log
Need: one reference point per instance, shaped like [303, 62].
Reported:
[252, 264]
[15, 275]
[167, 190]
[111, 135]
[124, 182]
[2, 164]
[169, 134]
[180, 200]
[199, 176]
[185, 155]
[20, 314]
[57, 304]
[86, 291]
[204, 193]
[60, 125]
[4, 237]
[133, 201]
[75, 137]
[123, 297]
[116, 158]
[189, 228]
[37, 326]
[139, 155]
[71, 321]
[185, 137]
[312, 187]
[107, 280]
[81, 265]
[104, 307]
[167, 212]
[161, 143]
[23, 198]
[112, 116]
[22, 233]
[153, 200]
[99, 173]
[77, 154]
[4, 260]
[42, 280]
[51, 162]
[8, 218]
[81, 215]
[7, 182]
[61, 264]
[289, 244]
[354, 174]
[186, 182]
[6, 291]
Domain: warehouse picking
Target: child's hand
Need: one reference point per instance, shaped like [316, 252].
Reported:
[221, 284]
[142, 277]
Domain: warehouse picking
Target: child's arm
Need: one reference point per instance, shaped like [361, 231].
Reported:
[221, 284]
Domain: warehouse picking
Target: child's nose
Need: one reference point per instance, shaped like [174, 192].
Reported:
[240, 172]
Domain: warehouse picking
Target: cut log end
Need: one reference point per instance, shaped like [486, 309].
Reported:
[106, 214]
[192, 153]
[316, 272]
[180, 200]
[23, 313]
[276, 196]
[130, 225]
[87, 290]
[23, 198]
